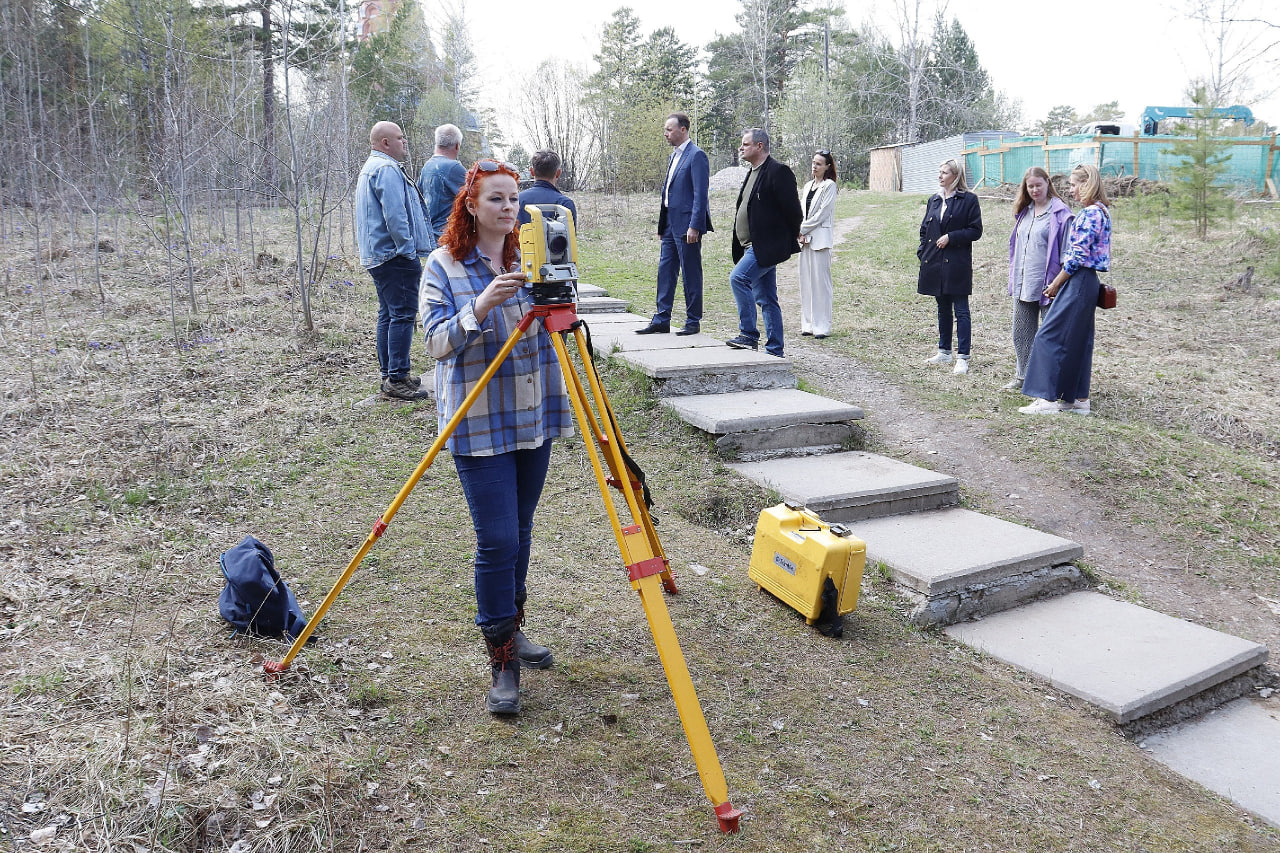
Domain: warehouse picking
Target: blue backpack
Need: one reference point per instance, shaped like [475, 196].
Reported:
[256, 599]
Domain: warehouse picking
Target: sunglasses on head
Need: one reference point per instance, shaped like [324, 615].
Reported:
[490, 166]
[823, 153]
[494, 165]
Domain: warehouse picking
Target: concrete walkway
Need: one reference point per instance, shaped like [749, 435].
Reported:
[1010, 591]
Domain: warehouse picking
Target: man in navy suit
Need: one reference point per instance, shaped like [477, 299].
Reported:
[545, 168]
[684, 218]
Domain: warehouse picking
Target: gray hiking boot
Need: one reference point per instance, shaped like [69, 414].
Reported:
[403, 388]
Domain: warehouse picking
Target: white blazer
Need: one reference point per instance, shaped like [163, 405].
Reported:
[819, 225]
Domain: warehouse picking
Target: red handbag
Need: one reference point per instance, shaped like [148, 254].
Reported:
[1106, 296]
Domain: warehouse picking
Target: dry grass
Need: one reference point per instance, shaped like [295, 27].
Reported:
[132, 721]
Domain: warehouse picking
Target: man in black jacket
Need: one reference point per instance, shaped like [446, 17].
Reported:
[765, 227]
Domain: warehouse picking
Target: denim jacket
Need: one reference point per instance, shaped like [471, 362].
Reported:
[391, 218]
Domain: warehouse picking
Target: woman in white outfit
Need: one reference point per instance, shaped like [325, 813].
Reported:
[817, 234]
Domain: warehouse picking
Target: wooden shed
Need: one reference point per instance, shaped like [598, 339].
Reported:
[913, 168]
[886, 168]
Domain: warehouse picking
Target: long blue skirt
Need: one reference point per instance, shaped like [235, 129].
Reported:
[1062, 352]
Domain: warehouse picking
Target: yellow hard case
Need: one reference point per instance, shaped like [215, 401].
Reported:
[796, 552]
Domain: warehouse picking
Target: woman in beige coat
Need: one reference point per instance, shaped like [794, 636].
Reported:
[817, 235]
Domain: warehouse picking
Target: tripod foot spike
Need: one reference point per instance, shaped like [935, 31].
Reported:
[273, 669]
[728, 816]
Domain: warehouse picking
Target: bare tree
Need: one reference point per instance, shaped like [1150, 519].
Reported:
[555, 116]
[809, 117]
[913, 49]
[457, 57]
[1238, 43]
[315, 134]
[765, 25]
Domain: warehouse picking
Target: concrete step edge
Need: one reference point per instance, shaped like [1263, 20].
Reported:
[848, 483]
[1130, 661]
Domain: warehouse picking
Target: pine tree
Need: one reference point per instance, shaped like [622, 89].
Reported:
[1196, 189]
[1061, 119]
[957, 94]
[640, 81]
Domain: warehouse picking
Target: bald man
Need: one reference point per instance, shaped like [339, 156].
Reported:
[393, 235]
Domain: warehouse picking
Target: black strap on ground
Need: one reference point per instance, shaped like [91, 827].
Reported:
[632, 465]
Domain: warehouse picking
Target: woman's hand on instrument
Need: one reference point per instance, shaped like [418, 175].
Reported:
[499, 291]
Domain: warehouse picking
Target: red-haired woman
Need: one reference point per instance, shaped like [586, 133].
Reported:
[472, 297]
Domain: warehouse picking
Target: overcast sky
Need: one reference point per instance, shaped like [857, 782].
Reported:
[1081, 53]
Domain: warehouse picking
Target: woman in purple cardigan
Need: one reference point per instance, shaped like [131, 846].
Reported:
[1041, 220]
[1062, 354]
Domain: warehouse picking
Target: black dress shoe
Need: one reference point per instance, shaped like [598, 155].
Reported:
[688, 330]
[654, 329]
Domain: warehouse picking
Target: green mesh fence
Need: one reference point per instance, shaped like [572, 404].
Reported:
[992, 162]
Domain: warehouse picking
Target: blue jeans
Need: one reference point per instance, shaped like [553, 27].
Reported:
[960, 305]
[678, 257]
[502, 492]
[397, 284]
[756, 285]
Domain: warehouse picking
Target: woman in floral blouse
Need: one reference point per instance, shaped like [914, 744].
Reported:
[1062, 353]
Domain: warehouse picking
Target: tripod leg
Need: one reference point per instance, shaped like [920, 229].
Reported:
[646, 567]
[587, 425]
[611, 439]
[273, 668]
[687, 706]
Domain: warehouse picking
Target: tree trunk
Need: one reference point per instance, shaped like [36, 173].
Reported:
[268, 99]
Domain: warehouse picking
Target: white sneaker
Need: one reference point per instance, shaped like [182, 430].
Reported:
[1077, 407]
[962, 365]
[943, 357]
[1012, 385]
[1042, 407]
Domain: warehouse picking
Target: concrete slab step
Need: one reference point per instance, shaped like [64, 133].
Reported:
[586, 291]
[691, 371]
[853, 486]
[622, 337]
[617, 317]
[601, 305]
[776, 419]
[1233, 750]
[956, 564]
[1127, 660]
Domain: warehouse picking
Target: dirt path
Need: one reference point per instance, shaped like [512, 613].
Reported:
[1156, 575]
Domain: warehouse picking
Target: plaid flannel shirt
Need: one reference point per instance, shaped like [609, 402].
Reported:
[524, 403]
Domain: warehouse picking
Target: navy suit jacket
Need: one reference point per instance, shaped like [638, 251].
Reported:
[687, 199]
[544, 192]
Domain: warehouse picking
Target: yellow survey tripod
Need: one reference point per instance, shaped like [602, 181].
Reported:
[646, 564]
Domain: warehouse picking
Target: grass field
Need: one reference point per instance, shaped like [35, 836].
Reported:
[1185, 369]
[132, 721]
